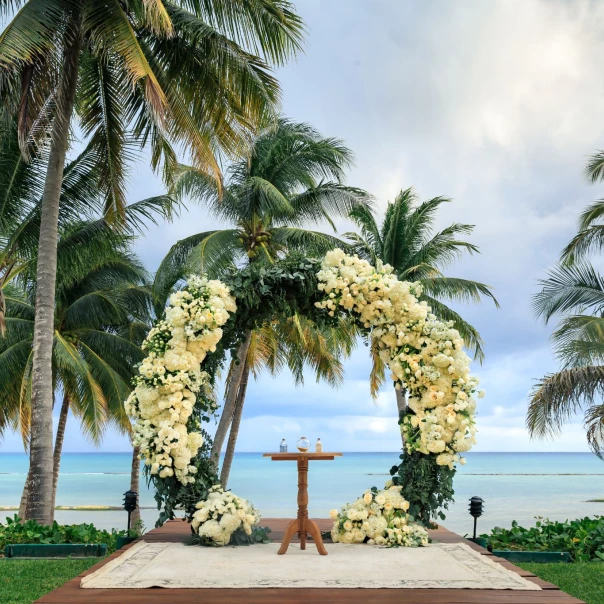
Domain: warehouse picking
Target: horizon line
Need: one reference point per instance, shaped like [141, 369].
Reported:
[260, 452]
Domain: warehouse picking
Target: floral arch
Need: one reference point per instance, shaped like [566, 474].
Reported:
[207, 318]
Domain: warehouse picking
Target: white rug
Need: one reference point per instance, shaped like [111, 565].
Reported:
[443, 565]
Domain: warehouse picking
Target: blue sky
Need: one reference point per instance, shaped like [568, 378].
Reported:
[495, 104]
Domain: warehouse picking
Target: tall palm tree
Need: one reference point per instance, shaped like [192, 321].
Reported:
[576, 293]
[291, 178]
[408, 242]
[102, 294]
[161, 73]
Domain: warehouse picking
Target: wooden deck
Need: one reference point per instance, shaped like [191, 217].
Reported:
[176, 530]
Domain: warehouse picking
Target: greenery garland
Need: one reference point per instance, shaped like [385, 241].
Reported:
[206, 319]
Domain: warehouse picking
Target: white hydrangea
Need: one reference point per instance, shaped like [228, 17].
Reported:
[170, 377]
[221, 514]
[425, 355]
[378, 518]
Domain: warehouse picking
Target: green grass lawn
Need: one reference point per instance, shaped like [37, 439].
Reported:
[23, 581]
[584, 580]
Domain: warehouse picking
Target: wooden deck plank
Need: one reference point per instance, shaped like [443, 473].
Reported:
[175, 530]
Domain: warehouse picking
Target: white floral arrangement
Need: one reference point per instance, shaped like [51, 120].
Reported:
[378, 518]
[425, 355]
[169, 378]
[221, 515]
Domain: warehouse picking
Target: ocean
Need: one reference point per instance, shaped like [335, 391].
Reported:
[515, 486]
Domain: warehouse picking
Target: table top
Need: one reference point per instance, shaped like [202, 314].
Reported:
[295, 455]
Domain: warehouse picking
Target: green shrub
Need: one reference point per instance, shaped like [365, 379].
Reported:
[14, 531]
[582, 538]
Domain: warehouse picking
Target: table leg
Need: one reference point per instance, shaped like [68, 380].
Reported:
[302, 524]
[290, 531]
[302, 500]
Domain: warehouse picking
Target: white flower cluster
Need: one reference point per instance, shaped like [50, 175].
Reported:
[425, 355]
[378, 518]
[221, 514]
[170, 377]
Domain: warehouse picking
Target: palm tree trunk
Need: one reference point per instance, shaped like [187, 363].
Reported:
[230, 451]
[23, 502]
[59, 447]
[39, 500]
[401, 405]
[135, 473]
[229, 404]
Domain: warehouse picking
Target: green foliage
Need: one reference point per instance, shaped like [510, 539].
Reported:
[427, 486]
[582, 538]
[575, 293]
[583, 580]
[170, 494]
[16, 532]
[259, 534]
[24, 581]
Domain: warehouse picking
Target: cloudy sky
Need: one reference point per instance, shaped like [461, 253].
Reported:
[494, 104]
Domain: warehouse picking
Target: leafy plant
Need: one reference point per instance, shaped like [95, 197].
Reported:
[16, 532]
[583, 538]
[259, 534]
[427, 486]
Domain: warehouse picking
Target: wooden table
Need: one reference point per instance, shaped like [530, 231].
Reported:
[302, 525]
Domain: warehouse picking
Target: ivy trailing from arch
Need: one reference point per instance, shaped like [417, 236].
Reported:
[206, 319]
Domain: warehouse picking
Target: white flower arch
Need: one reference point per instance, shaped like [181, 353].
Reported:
[426, 357]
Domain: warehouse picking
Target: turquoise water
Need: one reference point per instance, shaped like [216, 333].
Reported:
[514, 485]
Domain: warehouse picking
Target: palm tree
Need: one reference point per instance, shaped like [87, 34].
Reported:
[102, 295]
[159, 73]
[291, 178]
[576, 293]
[406, 240]
[574, 290]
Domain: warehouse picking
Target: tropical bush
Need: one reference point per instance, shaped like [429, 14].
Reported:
[582, 538]
[16, 532]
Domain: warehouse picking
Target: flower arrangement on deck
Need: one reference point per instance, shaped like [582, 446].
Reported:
[379, 517]
[225, 519]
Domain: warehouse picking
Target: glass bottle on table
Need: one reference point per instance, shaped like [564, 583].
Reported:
[319, 446]
[283, 446]
[303, 444]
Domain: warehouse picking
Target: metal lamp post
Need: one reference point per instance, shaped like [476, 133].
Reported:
[130, 504]
[476, 509]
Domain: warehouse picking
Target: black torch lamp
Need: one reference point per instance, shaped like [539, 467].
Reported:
[130, 504]
[476, 509]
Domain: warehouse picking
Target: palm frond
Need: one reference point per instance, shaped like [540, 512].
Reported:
[579, 341]
[590, 236]
[111, 32]
[457, 290]
[574, 288]
[594, 170]
[557, 398]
